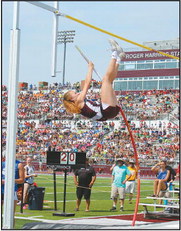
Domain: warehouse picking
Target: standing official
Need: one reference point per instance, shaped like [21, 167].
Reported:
[84, 179]
[120, 175]
[131, 183]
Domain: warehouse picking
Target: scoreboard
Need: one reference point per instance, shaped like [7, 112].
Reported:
[64, 158]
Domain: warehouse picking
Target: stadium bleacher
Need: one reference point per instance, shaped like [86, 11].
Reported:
[43, 122]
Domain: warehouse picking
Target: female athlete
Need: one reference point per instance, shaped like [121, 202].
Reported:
[108, 107]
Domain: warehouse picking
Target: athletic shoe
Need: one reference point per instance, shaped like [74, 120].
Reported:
[113, 208]
[19, 203]
[115, 47]
[121, 209]
[76, 209]
[122, 55]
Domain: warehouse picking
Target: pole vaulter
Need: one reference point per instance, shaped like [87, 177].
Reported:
[134, 148]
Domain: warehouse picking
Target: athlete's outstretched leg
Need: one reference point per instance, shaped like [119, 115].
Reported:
[112, 70]
[107, 92]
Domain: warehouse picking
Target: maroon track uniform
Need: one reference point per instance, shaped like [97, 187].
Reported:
[99, 111]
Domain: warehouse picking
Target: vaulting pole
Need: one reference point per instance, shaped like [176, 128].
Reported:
[86, 59]
[137, 166]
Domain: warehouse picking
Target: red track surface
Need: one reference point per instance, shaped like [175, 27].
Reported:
[140, 217]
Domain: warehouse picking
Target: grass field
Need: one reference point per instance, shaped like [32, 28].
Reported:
[100, 200]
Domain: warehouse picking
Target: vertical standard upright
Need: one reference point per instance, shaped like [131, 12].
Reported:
[12, 121]
[12, 110]
[54, 41]
[54, 10]
[64, 198]
[55, 190]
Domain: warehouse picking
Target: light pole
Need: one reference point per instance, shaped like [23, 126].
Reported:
[65, 37]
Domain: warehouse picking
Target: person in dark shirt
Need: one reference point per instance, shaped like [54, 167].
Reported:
[172, 172]
[84, 179]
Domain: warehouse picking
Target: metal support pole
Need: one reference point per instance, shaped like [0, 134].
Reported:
[44, 6]
[54, 41]
[12, 122]
[65, 186]
[55, 190]
[64, 59]
[64, 198]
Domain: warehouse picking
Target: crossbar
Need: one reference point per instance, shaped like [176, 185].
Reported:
[116, 36]
[44, 6]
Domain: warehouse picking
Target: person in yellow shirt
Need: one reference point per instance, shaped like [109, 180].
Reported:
[131, 183]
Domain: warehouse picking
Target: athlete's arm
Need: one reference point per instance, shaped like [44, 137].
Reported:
[82, 95]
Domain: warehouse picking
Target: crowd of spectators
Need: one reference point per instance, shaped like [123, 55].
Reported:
[44, 123]
[47, 104]
[152, 106]
[151, 144]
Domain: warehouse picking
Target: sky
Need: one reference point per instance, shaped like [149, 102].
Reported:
[138, 21]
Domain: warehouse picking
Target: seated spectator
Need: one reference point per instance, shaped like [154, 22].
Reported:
[163, 174]
[172, 175]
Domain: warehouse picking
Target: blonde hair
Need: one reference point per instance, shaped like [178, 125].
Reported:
[70, 105]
